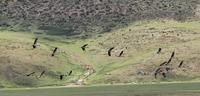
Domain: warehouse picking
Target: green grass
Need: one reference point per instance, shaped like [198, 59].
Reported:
[24, 60]
[145, 54]
[173, 89]
[139, 55]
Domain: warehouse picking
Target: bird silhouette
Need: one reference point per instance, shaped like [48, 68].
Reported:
[54, 51]
[61, 77]
[172, 56]
[169, 60]
[161, 70]
[41, 74]
[164, 63]
[173, 53]
[167, 69]
[109, 51]
[156, 72]
[164, 75]
[30, 74]
[35, 43]
[181, 64]
[121, 53]
[70, 73]
[84, 46]
[159, 50]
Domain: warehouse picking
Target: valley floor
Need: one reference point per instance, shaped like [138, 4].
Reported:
[171, 89]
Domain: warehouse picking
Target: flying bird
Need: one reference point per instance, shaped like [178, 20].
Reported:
[121, 53]
[155, 75]
[54, 51]
[181, 64]
[173, 53]
[160, 71]
[61, 77]
[70, 73]
[169, 60]
[159, 50]
[30, 74]
[156, 72]
[164, 63]
[84, 46]
[167, 69]
[35, 43]
[109, 51]
[164, 75]
[41, 74]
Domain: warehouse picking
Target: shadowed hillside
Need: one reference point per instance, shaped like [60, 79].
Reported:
[87, 17]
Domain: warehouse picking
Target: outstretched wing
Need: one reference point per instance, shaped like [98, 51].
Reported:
[35, 42]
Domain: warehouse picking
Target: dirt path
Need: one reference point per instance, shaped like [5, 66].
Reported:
[88, 72]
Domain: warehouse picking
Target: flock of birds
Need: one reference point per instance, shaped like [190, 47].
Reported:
[109, 51]
[165, 67]
[35, 44]
[43, 72]
[162, 69]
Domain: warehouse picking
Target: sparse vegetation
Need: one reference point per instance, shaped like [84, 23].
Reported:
[83, 18]
[92, 42]
[138, 63]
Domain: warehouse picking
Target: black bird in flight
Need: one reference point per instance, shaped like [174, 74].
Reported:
[121, 53]
[167, 69]
[109, 51]
[35, 43]
[169, 60]
[159, 50]
[54, 51]
[181, 64]
[61, 77]
[41, 74]
[30, 74]
[156, 72]
[84, 46]
[70, 73]
[164, 63]
[164, 75]
[173, 53]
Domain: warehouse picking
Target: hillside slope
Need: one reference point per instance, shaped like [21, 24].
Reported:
[139, 41]
[84, 18]
[18, 59]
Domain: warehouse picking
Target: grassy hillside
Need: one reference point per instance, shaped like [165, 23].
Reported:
[139, 41]
[142, 41]
[85, 18]
[18, 59]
